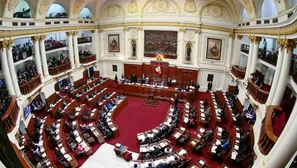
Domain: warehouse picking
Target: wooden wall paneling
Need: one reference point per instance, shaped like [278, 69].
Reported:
[96, 74]
[147, 70]
[86, 74]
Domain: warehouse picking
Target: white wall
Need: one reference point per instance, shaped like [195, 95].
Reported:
[2, 165]
[268, 9]
[244, 16]
[243, 60]
[84, 13]
[85, 33]
[57, 36]
[55, 8]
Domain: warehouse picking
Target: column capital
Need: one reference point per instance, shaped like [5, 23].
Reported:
[2, 45]
[93, 31]
[126, 28]
[42, 37]
[198, 31]
[8, 43]
[289, 44]
[182, 29]
[139, 28]
[69, 33]
[101, 30]
[232, 35]
[35, 38]
[255, 39]
[239, 37]
[75, 33]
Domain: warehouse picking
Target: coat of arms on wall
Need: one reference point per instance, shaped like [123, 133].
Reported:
[214, 47]
[113, 43]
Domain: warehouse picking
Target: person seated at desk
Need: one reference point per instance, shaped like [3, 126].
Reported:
[109, 106]
[113, 101]
[163, 165]
[72, 134]
[52, 141]
[208, 134]
[145, 141]
[85, 128]
[59, 113]
[187, 88]
[105, 108]
[168, 149]
[169, 82]
[157, 152]
[68, 126]
[36, 155]
[71, 115]
[79, 150]
[224, 133]
[64, 104]
[225, 144]
[175, 163]
[142, 79]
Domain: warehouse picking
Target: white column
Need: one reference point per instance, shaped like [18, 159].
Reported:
[12, 69]
[75, 45]
[70, 48]
[180, 46]
[248, 67]
[5, 70]
[284, 74]
[127, 44]
[101, 37]
[288, 146]
[95, 46]
[37, 59]
[236, 50]
[139, 54]
[196, 46]
[229, 51]
[43, 56]
[255, 55]
[276, 74]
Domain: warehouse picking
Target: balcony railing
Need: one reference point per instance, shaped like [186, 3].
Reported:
[11, 115]
[87, 59]
[245, 48]
[267, 138]
[82, 40]
[59, 69]
[30, 85]
[268, 56]
[256, 92]
[238, 72]
[52, 45]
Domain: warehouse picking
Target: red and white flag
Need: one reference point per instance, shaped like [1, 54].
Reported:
[158, 69]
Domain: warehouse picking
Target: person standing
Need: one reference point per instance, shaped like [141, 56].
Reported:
[116, 79]
[175, 100]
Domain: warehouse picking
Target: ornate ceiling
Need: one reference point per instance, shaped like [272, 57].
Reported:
[140, 7]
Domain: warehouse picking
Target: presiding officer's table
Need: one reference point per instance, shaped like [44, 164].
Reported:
[162, 93]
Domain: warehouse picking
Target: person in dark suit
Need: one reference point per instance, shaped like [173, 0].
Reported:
[116, 79]
[169, 82]
[175, 100]
[209, 86]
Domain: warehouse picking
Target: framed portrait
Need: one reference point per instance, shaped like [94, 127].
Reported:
[214, 47]
[113, 43]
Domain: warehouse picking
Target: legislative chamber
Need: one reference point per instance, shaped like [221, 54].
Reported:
[148, 84]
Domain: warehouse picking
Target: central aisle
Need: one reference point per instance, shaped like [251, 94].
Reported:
[136, 118]
[105, 157]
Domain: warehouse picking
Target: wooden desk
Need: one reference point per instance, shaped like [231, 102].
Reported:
[159, 93]
[229, 115]
[95, 131]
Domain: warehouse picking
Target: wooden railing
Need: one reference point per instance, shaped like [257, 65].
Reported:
[256, 92]
[30, 85]
[267, 138]
[268, 56]
[59, 69]
[82, 40]
[87, 59]
[238, 72]
[11, 115]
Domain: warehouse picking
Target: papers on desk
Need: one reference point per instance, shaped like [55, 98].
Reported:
[182, 152]
[201, 130]
[140, 137]
[62, 150]
[177, 135]
[43, 155]
[213, 148]
[238, 135]
[218, 142]
[236, 147]
[68, 157]
[234, 155]
[193, 143]
[78, 139]
[201, 162]
[220, 129]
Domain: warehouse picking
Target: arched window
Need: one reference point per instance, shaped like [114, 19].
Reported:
[268, 9]
[244, 16]
[85, 13]
[56, 11]
[22, 10]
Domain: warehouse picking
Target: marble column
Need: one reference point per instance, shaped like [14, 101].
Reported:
[70, 48]
[43, 56]
[12, 69]
[37, 59]
[95, 43]
[196, 48]
[5, 69]
[236, 50]
[127, 44]
[101, 37]
[229, 51]
[277, 71]
[180, 46]
[255, 58]
[289, 45]
[139, 54]
[75, 45]
[248, 67]
[287, 147]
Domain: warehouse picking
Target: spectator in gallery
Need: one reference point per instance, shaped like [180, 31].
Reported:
[209, 86]
[116, 79]
[264, 44]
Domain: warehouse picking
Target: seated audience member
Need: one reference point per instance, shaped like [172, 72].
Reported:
[150, 165]
[79, 150]
[109, 106]
[175, 163]
[168, 149]
[105, 108]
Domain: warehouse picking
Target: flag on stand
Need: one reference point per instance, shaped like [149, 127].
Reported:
[158, 69]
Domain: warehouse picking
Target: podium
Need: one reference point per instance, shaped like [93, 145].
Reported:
[150, 100]
[122, 151]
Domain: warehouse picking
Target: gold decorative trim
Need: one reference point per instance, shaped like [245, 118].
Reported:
[239, 37]
[289, 44]
[42, 37]
[93, 31]
[198, 31]
[139, 28]
[232, 35]
[35, 38]
[69, 33]
[182, 29]
[101, 30]
[254, 39]
[126, 28]
[75, 33]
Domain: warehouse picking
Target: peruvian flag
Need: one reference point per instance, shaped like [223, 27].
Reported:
[158, 69]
